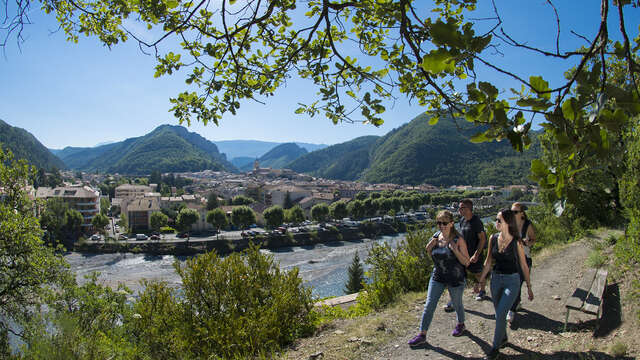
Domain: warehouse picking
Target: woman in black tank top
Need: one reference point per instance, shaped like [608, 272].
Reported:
[506, 254]
[450, 257]
[528, 235]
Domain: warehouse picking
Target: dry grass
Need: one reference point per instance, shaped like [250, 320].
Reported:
[354, 338]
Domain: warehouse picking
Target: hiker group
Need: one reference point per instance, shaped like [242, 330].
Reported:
[458, 251]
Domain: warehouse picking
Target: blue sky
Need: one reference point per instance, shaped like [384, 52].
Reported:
[83, 94]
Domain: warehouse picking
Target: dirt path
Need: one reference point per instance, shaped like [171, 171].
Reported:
[537, 331]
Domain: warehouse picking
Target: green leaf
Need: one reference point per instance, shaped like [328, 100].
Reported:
[539, 168]
[479, 138]
[551, 179]
[434, 120]
[540, 85]
[446, 33]
[438, 61]
[535, 103]
[568, 109]
[488, 89]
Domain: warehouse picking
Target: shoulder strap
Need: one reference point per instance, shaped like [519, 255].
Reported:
[494, 241]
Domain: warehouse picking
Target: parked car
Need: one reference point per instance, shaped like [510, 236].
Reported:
[141, 237]
[183, 235]
[155, 237]
[122, 237]
[95, 237]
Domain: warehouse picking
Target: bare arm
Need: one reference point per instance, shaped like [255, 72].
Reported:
[482, 240]
[487, 262]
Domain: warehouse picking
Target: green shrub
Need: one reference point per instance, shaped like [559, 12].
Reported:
[83, 322]
[157, 322]
[396, 271]
[241, 304]
[167, 230]
[552, 229]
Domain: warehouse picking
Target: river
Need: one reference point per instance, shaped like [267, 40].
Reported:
[323, 267]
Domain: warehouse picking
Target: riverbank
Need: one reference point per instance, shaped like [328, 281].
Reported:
[225, 246]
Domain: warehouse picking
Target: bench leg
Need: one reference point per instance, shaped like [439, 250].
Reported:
[566, 320]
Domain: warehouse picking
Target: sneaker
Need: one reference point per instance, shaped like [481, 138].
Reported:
[480, 296]
[448, 307]
[504, 342]
[492, 355]
[510, 316]
[418, 340]
[459, 330]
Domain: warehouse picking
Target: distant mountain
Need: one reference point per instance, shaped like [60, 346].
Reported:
[417, 153]
[168, 148]
[278, 157]
[345, 161]
[255, 148]
[242, 162]
[24, 145]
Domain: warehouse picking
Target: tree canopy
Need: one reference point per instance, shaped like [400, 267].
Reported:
[28, 267]
[439, 54]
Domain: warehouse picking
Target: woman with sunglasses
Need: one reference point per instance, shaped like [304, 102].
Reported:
[507, 251]
[528, 235]
[450, 258]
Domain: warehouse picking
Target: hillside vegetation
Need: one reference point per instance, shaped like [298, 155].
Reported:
[278, 157]
[421, 153]
[345, 161]
[165, 149]
[25, 146]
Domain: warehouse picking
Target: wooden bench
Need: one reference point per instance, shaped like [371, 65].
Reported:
[588, 295]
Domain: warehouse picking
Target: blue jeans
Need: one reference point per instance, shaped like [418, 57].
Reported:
[433, 295]
[515, 303]
[504, 290]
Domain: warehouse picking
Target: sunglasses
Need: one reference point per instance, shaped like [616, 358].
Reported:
[442, 223]
[516, 211]
[498, 221]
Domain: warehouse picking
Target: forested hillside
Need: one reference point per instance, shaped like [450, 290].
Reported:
[278, 157]
[165, 149]
[345, 161]
[442, 154]
[421, 153]
[25, 146]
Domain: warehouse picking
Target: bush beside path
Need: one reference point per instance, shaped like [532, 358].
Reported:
[536, 333]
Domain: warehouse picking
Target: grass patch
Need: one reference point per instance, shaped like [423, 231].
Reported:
[619, 349]
[596, 259]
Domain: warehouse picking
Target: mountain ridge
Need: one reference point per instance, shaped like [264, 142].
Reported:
[168, 148]
[417, 152]
[25, 146]
[278, 157]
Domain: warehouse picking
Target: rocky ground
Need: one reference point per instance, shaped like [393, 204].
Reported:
[536, 333]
